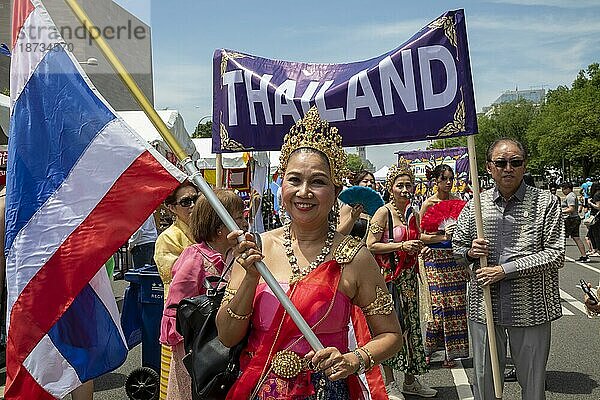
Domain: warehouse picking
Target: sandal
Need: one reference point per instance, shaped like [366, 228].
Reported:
[448, 364]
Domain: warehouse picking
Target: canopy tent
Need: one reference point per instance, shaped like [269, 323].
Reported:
[381, 174]
[207, 159]
[4, 117]
[140, 123]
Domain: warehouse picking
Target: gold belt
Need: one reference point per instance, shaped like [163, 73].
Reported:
[288, 364]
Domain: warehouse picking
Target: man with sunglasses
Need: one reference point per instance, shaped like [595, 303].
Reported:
[524, 242]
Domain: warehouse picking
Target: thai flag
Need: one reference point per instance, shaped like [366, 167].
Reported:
[80, 182]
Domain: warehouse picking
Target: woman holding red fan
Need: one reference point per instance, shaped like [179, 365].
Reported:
[447, 281]
[394, 240]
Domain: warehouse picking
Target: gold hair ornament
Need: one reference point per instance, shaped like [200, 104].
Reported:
[396, 170]
[315, 133]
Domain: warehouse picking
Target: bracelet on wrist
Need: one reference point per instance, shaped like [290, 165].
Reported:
[361, 362]
[371, 359]
[237, 316]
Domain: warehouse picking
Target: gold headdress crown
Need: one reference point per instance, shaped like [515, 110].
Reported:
[396, 170]
[315, 133]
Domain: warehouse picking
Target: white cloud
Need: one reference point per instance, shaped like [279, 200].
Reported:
[536, 24]
[551, 3]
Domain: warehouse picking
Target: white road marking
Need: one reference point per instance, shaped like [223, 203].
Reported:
[573, 301]
[583, 265]
[566, 311]
[461, 381]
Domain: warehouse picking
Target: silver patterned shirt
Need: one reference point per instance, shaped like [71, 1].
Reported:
[526, 237]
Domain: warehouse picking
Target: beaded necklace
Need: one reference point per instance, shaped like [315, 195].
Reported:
[400, 215]
[300, 272]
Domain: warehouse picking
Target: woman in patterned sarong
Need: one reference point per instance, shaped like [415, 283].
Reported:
[447, 282]
[394, 240]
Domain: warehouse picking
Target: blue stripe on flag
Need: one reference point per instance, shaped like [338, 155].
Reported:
[88, 338]
[54, 119]
[4, 50]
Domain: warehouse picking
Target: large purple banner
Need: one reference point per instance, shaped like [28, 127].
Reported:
[421, 90]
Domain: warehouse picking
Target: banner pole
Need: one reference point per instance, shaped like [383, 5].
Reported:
[219, 171]
[190, 168]
[487, 296]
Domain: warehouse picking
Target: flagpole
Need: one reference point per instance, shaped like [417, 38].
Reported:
[487, 295]
[191, 169]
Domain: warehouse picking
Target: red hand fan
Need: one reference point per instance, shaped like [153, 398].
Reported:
[444, 213]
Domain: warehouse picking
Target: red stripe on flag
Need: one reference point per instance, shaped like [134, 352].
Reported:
[363, 336]
[21, 10]
[51, 291]
[28, 388]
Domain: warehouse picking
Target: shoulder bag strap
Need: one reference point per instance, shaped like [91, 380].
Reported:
[391, 238]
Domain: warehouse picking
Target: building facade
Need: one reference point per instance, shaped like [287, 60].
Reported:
[128, 36]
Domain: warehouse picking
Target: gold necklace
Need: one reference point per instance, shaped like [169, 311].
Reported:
[297, 272]
[400, 215]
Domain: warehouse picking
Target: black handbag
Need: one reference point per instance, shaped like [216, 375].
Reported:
[212, 366]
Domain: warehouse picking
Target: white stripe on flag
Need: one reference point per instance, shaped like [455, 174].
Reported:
[50, 369]
[26, 58]
[101, 285]
[90, 179]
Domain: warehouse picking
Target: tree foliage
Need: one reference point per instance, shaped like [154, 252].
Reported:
[508, 120]
[5, 91]
[354, 163]
[568, 125]
[203, 130]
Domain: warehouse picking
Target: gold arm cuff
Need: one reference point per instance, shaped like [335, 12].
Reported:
[382, 305]
[375, 229]
[229, 294]
[237, 316]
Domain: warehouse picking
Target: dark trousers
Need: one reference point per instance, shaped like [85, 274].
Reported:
[143, 254]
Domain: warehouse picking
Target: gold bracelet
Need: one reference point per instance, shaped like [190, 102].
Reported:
[371, 359]
[237, 316]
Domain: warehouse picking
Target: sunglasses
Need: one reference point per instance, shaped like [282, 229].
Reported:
[503, 163]
[187, 201]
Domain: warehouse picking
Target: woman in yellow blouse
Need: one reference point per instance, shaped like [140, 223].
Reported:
[169, 246]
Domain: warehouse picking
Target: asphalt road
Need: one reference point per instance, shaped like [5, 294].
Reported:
[572, 371]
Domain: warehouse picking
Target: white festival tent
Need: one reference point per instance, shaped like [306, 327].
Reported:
[381, 174]
[207, 159]
[140, 123]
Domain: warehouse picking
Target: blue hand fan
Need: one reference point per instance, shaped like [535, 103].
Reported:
[369, 198]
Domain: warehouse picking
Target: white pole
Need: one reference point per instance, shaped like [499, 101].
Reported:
[487, 296]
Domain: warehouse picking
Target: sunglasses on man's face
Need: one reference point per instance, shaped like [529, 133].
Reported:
[503, 163]
[187, 201]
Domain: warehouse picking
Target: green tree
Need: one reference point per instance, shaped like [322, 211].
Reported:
[203, 130]
[507, 120]
[355, 163]
[568, 125]
[5, 91]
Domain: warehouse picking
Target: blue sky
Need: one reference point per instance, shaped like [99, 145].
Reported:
[525, 44]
